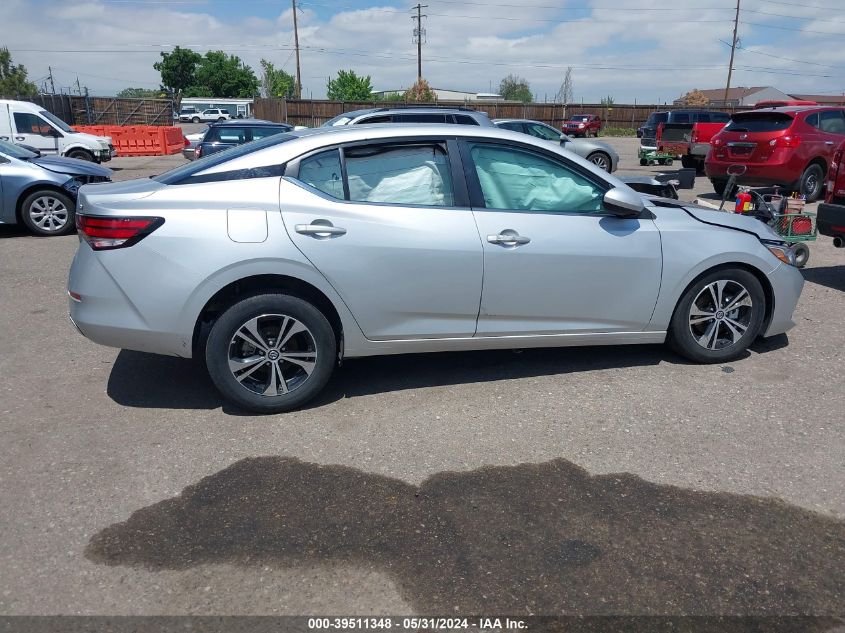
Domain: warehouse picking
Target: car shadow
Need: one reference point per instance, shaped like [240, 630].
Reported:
[830, 276]
[14, 230]
[145, 380]
[545, 538]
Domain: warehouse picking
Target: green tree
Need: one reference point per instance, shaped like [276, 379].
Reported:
[608, 101]
[13, 81]
[178, 69]
[515, 88]
[140, 93]
[222, 75]
[420, 92]
[275, 82]
[348, 86]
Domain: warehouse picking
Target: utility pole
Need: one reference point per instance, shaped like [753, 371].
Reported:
[52, 85]
[733, 48]
[419, 34]
[78, 87]
[298, 85]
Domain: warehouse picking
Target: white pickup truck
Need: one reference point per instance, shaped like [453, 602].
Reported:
[25, 123]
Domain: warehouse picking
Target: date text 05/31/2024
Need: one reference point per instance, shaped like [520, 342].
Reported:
[414, 624]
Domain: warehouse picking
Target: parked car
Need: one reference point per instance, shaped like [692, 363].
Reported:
[220, 136]
[777, 103]
[187, 113]
[791, 147]
[583, 125]
[405, 239]
[690, 141]
[416, 114]
[40, 191]
[211, 114]
[598, 153]
[831, 213]
[191, 142]
[648, 137]
[30, 124]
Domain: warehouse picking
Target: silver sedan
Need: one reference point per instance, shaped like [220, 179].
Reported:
[598, 153]
[273, 260]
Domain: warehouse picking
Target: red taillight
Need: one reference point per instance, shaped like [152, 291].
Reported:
[104, 233]
[659, 134]
[197, 151]
[186, 141]
[693, 136]
[789, 140]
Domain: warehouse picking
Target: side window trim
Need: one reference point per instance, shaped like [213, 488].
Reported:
[476, 196]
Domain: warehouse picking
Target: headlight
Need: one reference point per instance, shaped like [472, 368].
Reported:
[782, 251]
[581, 125]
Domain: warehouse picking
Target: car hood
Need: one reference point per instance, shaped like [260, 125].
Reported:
[726, 219]
[71, 166]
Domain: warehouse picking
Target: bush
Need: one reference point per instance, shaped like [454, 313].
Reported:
[618, 131]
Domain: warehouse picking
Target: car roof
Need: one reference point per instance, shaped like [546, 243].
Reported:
[520, 121]
[794, 109]
[243, 122]
[412, 109]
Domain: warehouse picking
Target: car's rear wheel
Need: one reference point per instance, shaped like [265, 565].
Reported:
[222, 118]
[48, 212]
[718, 317]
[812, 182]
[601, 160]
[271, 353]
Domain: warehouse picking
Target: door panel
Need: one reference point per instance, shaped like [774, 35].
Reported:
[554, 262]
[578, 273]
[404, 271]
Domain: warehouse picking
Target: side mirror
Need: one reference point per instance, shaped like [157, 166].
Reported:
[54, 133]
[623, 202]
[564, 139]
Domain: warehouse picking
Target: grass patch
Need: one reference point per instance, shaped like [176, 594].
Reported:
[618, 131]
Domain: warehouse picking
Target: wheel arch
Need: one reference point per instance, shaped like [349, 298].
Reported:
[768, 291]
[253, 285]
[38, 186]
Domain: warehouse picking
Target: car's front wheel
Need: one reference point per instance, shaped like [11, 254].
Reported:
[271, 353]
[48, 212]
[195, 119]
[601, 160]
[718, 317]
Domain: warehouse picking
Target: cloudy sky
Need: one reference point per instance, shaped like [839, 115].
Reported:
[648, 50]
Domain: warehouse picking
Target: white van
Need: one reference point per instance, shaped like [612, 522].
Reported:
[25, 123]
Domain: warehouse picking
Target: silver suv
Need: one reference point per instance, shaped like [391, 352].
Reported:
[274, 259]
[418, 114]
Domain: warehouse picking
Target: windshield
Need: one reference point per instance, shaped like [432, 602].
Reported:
[212, 160]
[657, 117]
[15, 151]
[580, 117]
[64, 127]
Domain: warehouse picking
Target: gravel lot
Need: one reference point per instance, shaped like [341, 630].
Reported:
[593, 480]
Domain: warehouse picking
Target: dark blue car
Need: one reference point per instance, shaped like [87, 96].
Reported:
[228, 134]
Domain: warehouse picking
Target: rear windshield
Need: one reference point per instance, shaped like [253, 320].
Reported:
[580, 117]
[759, 122]
[175, 176]
[657, 117]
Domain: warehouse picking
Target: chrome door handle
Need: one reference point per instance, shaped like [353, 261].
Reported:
[4, 138]
[828, 142]
[508, 240]
[20, 138]
[319, 230]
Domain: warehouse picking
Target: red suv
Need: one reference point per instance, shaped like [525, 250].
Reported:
[789, 146]
[582, 125]
[835, 193]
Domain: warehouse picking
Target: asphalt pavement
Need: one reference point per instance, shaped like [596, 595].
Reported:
[592, 480]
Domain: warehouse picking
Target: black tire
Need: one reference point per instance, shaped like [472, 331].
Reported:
[601, 160]
[643, 162]
[48, 212]
[812, 182]
[802, 254]
[719, 186]
[195, 119]
[668, 161]
[222, 118]
[690, 162]
[81, 154]
[661, 161]
[221, 342]
[681, 337]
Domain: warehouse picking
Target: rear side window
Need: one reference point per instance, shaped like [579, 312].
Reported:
[515, 126]
[831, 121]
[463, 119]
[759, 122]
[323, 172]
[680, 117]
[400, 174]
[420, 118]
[233, 135]
[373, 119]
[719, 117]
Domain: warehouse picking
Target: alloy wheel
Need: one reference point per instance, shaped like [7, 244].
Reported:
[600, 160]
[272, 354]
[720, 314]
[49, 214]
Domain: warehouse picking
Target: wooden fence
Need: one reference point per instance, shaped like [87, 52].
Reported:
[86, 110]
[313, 113]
